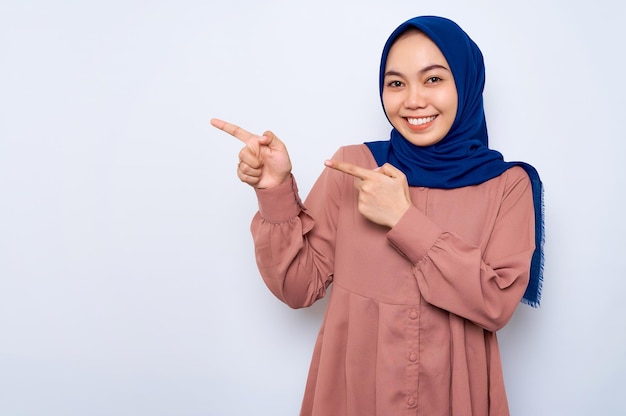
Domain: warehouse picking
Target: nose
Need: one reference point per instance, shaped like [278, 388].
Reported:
[415, 98]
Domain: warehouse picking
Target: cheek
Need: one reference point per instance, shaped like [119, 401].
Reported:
[446, 108]
[452, 101]
[390, 104]
[386, 103]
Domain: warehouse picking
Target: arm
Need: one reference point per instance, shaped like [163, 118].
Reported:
[282, 230]
[484, 286]
[294, 252]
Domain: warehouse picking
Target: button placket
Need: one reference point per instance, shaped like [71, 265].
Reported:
[412, 356]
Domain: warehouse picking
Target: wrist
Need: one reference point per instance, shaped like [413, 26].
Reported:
[399, 214]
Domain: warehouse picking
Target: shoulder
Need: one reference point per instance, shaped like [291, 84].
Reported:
[516, 176]
[514, 183]
[516, 171]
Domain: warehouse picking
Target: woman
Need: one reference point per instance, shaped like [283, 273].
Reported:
[429, 238]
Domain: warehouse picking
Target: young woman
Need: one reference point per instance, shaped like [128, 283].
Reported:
[429, 238]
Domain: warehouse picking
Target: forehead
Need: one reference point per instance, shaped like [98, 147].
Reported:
[414, 46]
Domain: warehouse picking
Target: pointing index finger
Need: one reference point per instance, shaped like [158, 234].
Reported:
[350, 169]
[234, 130]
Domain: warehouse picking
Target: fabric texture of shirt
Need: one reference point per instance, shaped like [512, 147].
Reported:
[410, 325]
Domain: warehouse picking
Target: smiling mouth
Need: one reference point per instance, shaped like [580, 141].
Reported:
[420, 120]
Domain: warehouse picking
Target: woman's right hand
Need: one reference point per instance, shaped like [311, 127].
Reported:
[263, 161]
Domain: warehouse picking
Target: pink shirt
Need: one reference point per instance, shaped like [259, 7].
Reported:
[410, 324]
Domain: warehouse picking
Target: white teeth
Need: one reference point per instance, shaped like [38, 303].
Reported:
[420, 121]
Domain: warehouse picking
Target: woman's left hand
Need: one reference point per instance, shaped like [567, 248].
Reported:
[383, 192]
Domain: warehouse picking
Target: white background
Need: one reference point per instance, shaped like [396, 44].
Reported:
[127, 277]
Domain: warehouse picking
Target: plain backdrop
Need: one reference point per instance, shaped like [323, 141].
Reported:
[128, 284]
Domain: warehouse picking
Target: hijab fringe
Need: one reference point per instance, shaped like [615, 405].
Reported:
[532, 296]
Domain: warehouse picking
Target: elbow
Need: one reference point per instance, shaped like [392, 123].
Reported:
[296, 303]
[497, 316]
[500, 305]
[295, 298]
[302, 298]
[495, 323]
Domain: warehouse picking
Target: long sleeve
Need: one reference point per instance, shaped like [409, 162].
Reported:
[480, 281]
[294, 261]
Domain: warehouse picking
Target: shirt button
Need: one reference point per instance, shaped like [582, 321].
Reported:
[413, 314]
[411, 401]
[413, 357]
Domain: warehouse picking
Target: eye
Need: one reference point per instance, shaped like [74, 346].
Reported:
[433, 80]
[395, 84]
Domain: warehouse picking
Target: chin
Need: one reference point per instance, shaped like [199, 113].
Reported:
[421, 141]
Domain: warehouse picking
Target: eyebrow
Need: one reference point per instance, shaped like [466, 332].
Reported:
[421, 71]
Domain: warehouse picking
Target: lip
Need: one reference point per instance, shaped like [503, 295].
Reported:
[420, 127]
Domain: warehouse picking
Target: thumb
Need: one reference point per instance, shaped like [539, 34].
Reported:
[390, 170]
[268, 138]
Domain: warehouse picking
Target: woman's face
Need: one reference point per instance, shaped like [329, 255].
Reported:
[419, 94]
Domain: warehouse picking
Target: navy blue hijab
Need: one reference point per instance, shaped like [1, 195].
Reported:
[462, 157]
